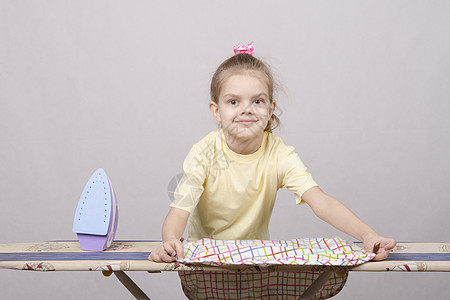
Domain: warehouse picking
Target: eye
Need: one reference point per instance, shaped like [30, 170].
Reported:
[232, 102]
[258, 101]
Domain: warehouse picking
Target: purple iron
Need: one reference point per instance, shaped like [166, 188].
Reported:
[96, 217]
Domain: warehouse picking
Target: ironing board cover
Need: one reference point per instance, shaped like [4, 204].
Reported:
[252, 283]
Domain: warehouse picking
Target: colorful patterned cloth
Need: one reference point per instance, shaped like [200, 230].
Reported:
[253, 283]
[320, 251]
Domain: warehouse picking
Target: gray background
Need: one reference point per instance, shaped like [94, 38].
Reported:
[123, 85]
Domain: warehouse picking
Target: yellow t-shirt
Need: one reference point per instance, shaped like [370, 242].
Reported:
[233, 195]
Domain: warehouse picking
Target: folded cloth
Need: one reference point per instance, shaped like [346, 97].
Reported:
[253, 284]
[307, 251]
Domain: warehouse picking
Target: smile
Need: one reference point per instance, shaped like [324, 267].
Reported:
[246, 122]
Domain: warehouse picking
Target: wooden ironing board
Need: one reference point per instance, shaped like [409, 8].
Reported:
[132, 256]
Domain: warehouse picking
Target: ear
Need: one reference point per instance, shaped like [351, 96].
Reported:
[273, 105]
[214, 108]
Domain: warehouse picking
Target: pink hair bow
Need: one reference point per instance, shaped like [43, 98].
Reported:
[249, 49]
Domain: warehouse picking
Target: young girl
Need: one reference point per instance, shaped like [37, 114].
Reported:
[232, 175]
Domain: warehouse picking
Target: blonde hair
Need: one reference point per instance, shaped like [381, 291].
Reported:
[244, 63]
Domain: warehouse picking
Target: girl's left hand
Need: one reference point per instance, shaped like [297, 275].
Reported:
[379, 245]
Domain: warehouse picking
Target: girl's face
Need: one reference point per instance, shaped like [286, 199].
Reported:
[244, 107]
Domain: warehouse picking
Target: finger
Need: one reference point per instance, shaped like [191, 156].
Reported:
[154, 257]
[369, 248]
[376, 247]
[161, 255]
[390, 245]
[169, 249]
[165, 257]
[180, 250]
[381, 255]
[387, 244]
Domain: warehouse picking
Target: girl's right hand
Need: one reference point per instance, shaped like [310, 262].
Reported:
[169, 251]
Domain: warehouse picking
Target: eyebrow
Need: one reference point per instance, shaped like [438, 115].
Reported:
[255, 96]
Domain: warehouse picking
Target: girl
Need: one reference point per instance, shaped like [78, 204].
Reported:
[231, 176]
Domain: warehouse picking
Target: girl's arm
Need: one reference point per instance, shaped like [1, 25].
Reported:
[336, 214]
[172, 231]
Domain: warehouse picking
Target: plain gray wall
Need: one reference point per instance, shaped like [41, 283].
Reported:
[123, 85]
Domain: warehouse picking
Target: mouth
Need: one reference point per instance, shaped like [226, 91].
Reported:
[245, 122]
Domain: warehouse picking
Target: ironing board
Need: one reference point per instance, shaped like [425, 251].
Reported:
[132, 256]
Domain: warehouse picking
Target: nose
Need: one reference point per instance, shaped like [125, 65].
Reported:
[247, 109]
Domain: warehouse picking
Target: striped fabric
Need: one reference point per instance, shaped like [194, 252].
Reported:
[253, 283]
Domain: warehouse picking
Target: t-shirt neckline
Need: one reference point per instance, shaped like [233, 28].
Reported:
[243, 157]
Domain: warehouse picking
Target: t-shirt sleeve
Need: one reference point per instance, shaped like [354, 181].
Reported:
[294, 175]
[190, 187]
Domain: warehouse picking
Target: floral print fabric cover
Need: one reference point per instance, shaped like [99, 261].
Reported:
[307, 251]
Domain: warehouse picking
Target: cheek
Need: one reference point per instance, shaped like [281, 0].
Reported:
[226, 115]
[230, 112]
[263, 112]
